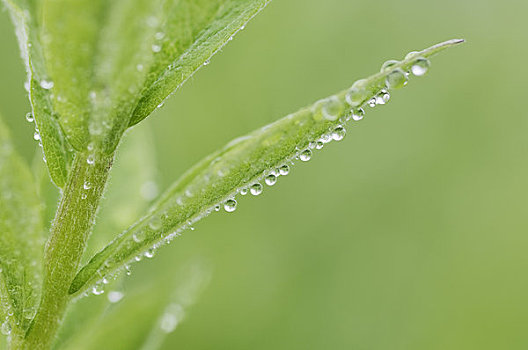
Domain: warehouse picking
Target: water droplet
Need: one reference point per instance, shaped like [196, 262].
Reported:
[87, 185]
[244, 191]
[155, 223]
[388, 64]
[150, 253]
[217, 207]
[26, 86]
[90, 146]
[230, 205]
[46, 84]
[339, 133]
[319, 145]
[90, 159]
[358, 114]
[139, 67]
[270, 180]
[396, 79]
[30, 118]
[383, 97]
[410, 54]
[285, 169]
[127, 270]
[159, 35]
[36, 136]
[206, 63]
[84, 196]
[354, 97]
[6, 328]
[305, 155]
[332, 108]
[156, 48]
[420, 66]
[115, 296]
[97, 290]
[256, 189]
[138, 236]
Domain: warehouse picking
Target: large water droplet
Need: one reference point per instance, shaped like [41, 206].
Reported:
[270, 180]
[332, 108]
[388, 64]
[420, 66]
[230, 205]
[305, 155]
[339, 133]
[46, 84]
[256, 189]
[396, 79]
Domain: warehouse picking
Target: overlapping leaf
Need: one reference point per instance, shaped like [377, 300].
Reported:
[21, 238]
[261, 155]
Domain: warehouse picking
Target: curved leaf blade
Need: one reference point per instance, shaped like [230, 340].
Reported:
[21, 240]
[244, 162]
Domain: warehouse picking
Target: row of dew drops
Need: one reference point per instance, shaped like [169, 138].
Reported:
[330, 108]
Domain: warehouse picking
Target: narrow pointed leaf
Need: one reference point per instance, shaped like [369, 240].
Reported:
[21, 238]
[246, 162]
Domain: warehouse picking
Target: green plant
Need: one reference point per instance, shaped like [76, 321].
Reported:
[93, 75]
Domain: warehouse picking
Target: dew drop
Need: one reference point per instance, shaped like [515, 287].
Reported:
[97, 290]
[87, 185]
[410, 54]
[270, 180]
[30, 118]
[206, 63]
[90, 159]
[339, 133]
[420, 66]
[150, 253]
[36, 136]
[256, 189]
[127, 270]
[139, 68]
[155, 223]
[159, 35]
[354, 97]
[319, 145]
[372, 102]
[217, 208]
[285, 169]
[388, 64]
[305, 155]
[156, 48]
[396, 79]
[244, 191]
[358, 114]
[46, 84]
[115, 296]
[138, 236]
[84, 196]
[332, 108]
[230, 205]
[383, 97]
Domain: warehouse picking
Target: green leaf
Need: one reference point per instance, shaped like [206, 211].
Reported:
[246, 162]
[21, 240]
[109, 64]
[55, 147]
[145, 316]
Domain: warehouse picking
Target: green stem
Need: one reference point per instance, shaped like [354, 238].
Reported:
[72, 224]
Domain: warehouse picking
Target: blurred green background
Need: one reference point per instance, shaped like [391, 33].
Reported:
[409, 234]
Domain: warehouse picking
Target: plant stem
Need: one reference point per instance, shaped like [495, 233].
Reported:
[69, 232]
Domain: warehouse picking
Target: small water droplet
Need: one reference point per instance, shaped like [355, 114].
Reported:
[285, 169]
[156, 48]
[372, 102]
[319, 145]
[30, 118]
[90, 159]
[305, 155]
[420, 66]
[396, 79]
[358, 114]
[150, 253]
[217, 207]
[87, 185]
[159, 35]
[127, 270]
[270, 180]
[97, 290]
[388, 64]
[138, 236]
[115, 296]
[244, 191]
[46, 84]
[339, 133]
[230, 205]
[155, 223]
[139, 67]
[84, 196]
[256, 189]
[382, 97]
[36, 136]
[206, 63]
